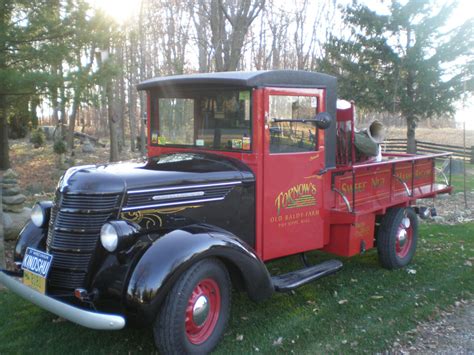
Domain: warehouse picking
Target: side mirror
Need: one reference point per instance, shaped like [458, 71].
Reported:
[323, 120]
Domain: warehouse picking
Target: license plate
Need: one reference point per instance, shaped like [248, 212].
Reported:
[36, 265]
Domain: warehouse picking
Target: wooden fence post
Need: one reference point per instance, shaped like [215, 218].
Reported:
[472, 154]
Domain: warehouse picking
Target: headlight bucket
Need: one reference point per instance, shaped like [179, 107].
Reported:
[116, 235]
[41, 213]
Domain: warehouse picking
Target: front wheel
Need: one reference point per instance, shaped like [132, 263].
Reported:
[397, 237]
[195, 313]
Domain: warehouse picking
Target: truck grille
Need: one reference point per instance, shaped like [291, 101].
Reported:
[73, 236]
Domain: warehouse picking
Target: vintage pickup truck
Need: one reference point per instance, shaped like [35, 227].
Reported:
[243, 168]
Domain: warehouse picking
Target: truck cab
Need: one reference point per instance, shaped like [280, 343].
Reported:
[266, 121]
[242, 168]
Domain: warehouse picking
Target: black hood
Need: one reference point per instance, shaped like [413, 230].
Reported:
[177, 169]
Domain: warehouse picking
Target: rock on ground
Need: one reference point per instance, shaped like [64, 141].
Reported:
[87, 147]
[14, 222]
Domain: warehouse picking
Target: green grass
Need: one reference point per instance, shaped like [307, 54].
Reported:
[457, 180]
[363, 308]
[458, 183]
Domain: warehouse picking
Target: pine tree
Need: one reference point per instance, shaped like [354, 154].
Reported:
[406, 61]
[26, 33]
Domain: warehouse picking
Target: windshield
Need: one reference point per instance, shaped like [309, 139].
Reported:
[212, 119]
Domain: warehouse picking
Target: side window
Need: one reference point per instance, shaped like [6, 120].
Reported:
[287, 133]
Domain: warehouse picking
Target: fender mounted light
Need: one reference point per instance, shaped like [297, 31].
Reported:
[40, 213]
[117, 235]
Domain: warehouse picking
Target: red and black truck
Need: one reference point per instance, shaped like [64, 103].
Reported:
[242, 168]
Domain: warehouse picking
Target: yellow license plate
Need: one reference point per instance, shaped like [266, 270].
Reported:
[34, 281]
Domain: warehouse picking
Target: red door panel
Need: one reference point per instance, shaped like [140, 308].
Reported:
[293, 157]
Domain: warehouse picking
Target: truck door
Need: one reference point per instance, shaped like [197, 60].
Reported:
[293, 157]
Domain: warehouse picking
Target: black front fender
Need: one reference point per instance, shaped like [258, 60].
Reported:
[171, 255]
[30, 236]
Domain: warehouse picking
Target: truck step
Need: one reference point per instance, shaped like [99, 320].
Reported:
[295, 279]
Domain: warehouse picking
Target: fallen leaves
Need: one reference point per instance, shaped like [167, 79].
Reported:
[278, 341]
[376, 297]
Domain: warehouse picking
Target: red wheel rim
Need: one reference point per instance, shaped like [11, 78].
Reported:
[202, 311]
[404, 239]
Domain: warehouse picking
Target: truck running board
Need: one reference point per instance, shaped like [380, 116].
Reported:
[295, 279]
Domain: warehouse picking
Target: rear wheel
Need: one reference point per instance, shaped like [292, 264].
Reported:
[195, 313]
[397, 237]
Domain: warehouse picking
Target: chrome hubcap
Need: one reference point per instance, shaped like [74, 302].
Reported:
[402, 237]
[406, 222]
[200, 310]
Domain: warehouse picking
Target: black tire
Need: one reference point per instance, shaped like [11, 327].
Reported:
[174, 332]
[396, 250]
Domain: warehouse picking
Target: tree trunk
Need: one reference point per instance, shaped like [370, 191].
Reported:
[54, 102]
[34, 103]
[229, 22]
[72, 120]
[5, 13]
[114, 154]
[62, 103]
[408, 111]
[4, 148]
[2, 240]
[2, 247]
[201, 25]
[411, 142]
[143, 116]
[143, 108]
[120, 97]
[131, 52]
[132, 108]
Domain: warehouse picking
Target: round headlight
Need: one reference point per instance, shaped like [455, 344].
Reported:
[109, 237]
[38, 215]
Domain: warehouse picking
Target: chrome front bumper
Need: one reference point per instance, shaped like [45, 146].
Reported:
[93, 320]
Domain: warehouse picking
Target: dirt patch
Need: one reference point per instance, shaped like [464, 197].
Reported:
[452, 333]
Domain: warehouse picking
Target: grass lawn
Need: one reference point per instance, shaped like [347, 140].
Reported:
[458, 182]
[363, 308]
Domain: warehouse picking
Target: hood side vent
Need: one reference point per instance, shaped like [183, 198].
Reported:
[178, 195]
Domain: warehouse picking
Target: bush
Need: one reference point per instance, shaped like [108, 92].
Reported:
[37, 138]
[59, 147]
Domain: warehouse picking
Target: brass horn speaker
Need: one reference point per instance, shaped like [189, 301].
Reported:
[376, 131]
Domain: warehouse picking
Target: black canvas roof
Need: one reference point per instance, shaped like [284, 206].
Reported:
[279, 78]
